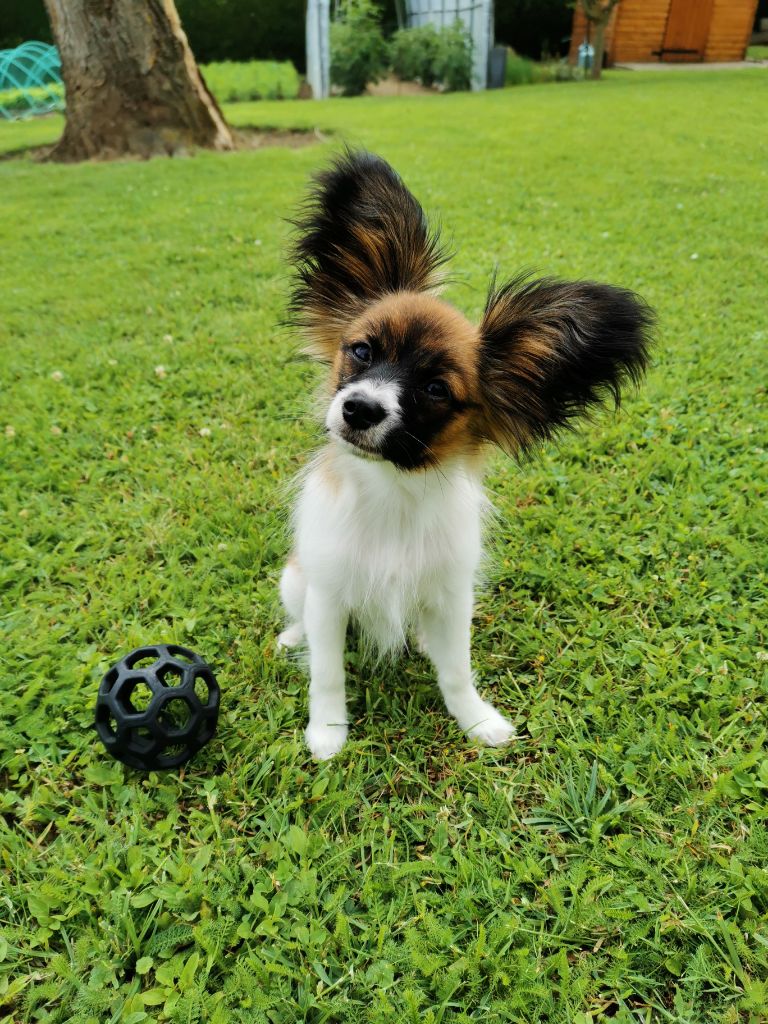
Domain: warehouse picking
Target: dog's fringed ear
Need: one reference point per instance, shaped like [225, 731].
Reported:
[361, 234]
[550, 350]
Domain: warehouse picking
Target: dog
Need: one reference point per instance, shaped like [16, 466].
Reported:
[388, 522]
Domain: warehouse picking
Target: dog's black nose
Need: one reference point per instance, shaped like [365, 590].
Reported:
[361, 412]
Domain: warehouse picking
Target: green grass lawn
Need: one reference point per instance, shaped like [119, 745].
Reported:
[611, 864]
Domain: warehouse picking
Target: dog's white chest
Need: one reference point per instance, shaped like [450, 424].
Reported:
[385, 544]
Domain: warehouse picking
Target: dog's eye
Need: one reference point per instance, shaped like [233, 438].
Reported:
[361, 350]
[437, 389]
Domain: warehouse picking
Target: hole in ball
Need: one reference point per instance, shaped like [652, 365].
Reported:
[143, 658]
[173, 755]
[135, 696]
[175, 715]
[203, 688]
[143, 738]
[181, 654]
[170, 675]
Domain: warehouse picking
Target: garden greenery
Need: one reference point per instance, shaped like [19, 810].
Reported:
[229, 81]
[358, 51]
[21, 101]
[234, 82]
[453, 65]
[428, 55]
[413, 53]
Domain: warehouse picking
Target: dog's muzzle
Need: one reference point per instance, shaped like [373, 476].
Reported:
[361, 412]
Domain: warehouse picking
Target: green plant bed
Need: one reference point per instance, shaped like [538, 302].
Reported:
[229, 81]
[610, 866]
[232, 81]
[45, 98]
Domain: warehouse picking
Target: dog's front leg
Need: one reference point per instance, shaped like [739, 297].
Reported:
[445, 633]
[326, 626]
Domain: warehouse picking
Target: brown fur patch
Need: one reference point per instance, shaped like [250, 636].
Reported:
[443, 331]
[420, 337]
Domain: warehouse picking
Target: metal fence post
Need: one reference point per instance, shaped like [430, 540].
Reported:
[318, 47]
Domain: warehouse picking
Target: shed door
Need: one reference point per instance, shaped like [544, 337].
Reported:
[687, 30]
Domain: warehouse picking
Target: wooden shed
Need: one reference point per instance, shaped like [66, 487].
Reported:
[672, 30]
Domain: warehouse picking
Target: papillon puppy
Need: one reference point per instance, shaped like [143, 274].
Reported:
[388, 524]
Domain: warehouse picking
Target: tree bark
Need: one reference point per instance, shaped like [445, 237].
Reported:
[132, 85]
[599, 48]
[598, 12]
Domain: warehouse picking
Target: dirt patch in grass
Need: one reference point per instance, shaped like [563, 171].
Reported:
[393, 86]
[292, 138]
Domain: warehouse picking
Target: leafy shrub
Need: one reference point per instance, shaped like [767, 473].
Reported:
[453, 62]
[358, 51]
[520, 70]
[433, 55]
[413, 53]
[233, 82]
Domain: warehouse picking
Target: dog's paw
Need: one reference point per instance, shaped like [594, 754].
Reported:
[290, 637]
[492, 728]
[325, 740]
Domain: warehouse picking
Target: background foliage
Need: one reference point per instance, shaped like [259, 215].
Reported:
[610, 865]
[274, 29]
[243, 30]
[413, 53]
[433, 55]
[230, 81]
[218, 30]
[452, 66]
[21, 21]
[359, 54]
[535, 28]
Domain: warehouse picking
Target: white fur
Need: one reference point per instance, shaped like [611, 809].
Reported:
[399, 553]
[385, 392]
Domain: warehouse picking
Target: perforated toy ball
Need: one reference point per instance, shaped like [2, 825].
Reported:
[157, 707]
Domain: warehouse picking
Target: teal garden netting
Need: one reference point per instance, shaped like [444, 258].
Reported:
[30, 81]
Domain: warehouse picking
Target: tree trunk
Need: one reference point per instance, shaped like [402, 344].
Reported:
[598, 14]
[132, 85]
[599, 48]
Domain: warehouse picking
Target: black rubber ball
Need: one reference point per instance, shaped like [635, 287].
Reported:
[157, 707]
